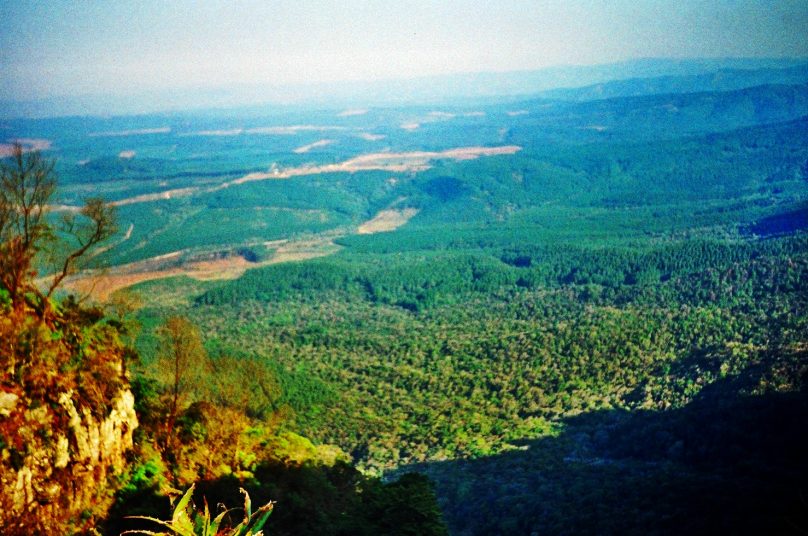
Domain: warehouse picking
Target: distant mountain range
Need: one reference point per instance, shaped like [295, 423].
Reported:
[719, 80]
[575, 83]
[637, 116]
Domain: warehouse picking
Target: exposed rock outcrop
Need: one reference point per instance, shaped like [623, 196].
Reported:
[56, 461]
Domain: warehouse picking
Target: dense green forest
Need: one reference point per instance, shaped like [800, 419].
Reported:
[562, 316]
[598, 362]
[446, 356]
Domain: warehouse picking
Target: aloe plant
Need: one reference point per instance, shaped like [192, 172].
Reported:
[188, 521]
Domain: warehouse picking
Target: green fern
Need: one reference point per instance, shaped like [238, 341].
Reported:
[188, 521]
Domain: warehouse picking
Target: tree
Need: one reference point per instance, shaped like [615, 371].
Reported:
[27, 185]
[25, 188]
[181, 357]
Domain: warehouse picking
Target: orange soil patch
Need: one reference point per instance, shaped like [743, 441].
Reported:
[102, 285]
[387, 220]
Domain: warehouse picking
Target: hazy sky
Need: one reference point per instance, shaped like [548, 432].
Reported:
[121, 46]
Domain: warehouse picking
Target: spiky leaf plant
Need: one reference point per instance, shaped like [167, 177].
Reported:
[188, 521]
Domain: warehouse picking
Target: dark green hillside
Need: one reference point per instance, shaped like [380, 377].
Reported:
[661, 116]
[599, 360]
[502, 345]
[782, 223]
[730, 461]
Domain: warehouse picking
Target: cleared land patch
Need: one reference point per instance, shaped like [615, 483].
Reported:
[395, 162]
[387, 220]
[294, 129]
[353, 112]
[224, 132]
[102, 284]
[135, 132]
[309, 147]
[158, 196]
[367, 136]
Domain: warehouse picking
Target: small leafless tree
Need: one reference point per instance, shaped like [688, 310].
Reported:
[27, 185]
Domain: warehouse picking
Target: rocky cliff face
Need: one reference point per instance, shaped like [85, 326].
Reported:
[56, 460]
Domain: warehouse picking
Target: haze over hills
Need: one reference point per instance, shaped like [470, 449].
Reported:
[722, 79]
[637, 77]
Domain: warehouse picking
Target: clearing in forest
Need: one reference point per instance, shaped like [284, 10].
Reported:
[387, 220]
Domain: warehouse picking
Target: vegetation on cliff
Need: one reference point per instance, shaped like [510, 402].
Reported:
[220, 421]
[67, 416]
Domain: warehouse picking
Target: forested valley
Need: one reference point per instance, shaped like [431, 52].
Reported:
[600, 329]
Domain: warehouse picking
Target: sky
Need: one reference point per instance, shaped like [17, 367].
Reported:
[120, 47]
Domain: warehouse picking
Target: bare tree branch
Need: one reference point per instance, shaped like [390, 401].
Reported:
[101, 225]
[27, 184]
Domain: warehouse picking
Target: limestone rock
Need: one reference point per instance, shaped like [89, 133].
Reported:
[8, 401]
[62, 457]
